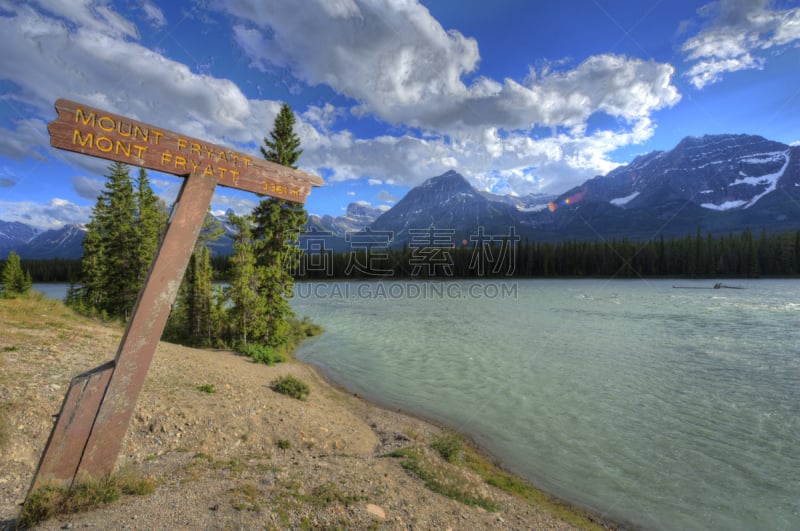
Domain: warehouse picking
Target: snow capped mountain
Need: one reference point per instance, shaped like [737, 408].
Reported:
[29, 242]
[715, 172]
[14, 235]
[357, 216]
[447, 202]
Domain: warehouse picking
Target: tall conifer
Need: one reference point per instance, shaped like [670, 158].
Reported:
[276, 226]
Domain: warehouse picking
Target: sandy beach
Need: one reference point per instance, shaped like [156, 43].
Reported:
[242, 456]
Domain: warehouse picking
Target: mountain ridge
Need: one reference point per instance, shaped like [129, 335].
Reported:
[716, 183]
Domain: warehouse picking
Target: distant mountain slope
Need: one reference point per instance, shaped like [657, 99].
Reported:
[357, 216]
[719, 183]
[13, 236]
[31, 243]
[446, 202]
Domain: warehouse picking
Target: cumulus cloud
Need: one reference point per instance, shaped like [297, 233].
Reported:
[736, 32]
[404, 67]
[47, 60]
[51, 215]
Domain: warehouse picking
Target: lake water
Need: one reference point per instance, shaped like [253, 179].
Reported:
[659, 407]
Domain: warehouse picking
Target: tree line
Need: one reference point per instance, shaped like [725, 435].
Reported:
[742, 255]
[739, 255]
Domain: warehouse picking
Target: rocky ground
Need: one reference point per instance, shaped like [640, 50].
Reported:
[241, 457]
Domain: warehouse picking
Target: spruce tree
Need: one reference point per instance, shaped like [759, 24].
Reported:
[247, 314]
[283, 148]
[15, 282]
[195, 320]
[276, 225]
[121, 241]
[151, 216]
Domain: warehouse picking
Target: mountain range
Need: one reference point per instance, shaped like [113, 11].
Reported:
[716, 183]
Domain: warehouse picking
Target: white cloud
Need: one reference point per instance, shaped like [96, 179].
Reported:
[737, 31]
[401, 65]
[51, 215]
[154, 15]
[386, 197]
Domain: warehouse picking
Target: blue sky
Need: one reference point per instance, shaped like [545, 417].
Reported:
[518, 96]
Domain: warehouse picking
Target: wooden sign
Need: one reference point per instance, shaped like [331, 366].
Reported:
[88, 432]
[102, 134]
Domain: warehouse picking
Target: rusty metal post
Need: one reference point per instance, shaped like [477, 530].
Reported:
[77, 447]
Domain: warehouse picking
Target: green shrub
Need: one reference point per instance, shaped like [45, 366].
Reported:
[48, 501]
[262, 353]
[291, 386]
[449, 446]
[207, 388]
[284, 444]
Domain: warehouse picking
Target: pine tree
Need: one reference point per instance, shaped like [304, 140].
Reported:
[246, 316]
[121, 241]
[283, 148]
[15, 282]
[276, 225]
[195, 320]
[151, 216]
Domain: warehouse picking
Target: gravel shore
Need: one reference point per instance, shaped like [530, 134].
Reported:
[241, 457]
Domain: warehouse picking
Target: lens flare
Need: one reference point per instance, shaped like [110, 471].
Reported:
[571, 200]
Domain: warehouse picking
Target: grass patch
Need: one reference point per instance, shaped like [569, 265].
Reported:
[245, 498]
[207, 388]
[284, 444]
[291, 386]
[440, 478]
[448, 445]
[49, 500]
[328, 493]
[515, 486]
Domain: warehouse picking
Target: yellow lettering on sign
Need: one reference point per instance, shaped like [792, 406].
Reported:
[80, 116]
[78, 138]
[106, 123]
[104, 144]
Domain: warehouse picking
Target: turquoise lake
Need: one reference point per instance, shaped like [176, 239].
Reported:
[653, 406]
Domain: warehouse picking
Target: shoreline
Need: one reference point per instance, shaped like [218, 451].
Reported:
[470, 440]
[242, 455]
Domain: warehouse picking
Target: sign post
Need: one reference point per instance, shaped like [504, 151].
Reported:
[88, 432]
